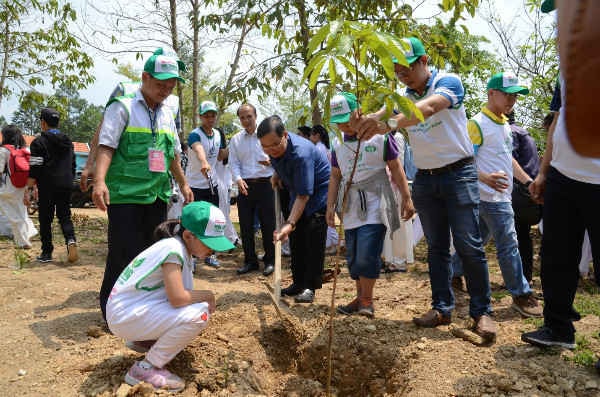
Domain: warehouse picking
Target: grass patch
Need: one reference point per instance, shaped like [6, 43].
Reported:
[535, 321]
[586, 303]
[498, 295]
[583, 354]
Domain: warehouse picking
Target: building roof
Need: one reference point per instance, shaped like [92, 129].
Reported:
[79, 147]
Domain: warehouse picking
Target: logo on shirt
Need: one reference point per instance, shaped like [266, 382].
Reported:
[370, 149]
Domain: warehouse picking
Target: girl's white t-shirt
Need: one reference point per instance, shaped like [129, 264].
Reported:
[141, 285]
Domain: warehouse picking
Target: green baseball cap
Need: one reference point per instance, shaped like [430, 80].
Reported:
[207, 223]
[506, 82]
[164, 66]
[548, 5]
[341, 105]
[415, 50]
[207, 106]
[169, 52]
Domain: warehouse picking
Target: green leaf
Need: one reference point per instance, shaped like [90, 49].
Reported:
[318, 38]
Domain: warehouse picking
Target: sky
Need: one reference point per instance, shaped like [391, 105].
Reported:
[107, 78]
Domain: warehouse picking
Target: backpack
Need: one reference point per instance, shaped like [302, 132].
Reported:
[18, 166]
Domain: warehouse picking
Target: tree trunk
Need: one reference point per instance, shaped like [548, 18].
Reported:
[5, 45]
[236, 61]
[175, 43]
[195, 61]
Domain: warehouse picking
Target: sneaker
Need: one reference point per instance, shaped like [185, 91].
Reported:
[212, 261]
[72, 253]
[141, 346]
[349, 309]
[44, 257]
[367, 311]
[528, 306]
[544, 337]
[160, 378]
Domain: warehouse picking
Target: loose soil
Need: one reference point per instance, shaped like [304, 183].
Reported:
[53, 341]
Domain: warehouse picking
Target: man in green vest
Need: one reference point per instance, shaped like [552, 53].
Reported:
[138, 145]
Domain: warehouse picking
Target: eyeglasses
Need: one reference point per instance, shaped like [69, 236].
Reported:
[273, 146]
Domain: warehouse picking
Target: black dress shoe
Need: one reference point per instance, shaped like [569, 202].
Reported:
[306, 296]
[268, 270]
[248, 267]
[291, 290]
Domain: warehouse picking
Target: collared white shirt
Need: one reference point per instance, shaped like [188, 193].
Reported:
[116, 118]
[245, 152]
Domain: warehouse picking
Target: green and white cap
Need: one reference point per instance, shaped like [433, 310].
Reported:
[506, 82]
[415, 50]
[548, 5]
[207, 223]
[207, 106]
[340, 107]
[164, 67]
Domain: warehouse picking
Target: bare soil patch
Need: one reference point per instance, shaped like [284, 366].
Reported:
[53, 341]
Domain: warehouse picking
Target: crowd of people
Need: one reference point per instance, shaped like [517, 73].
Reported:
[475, 179]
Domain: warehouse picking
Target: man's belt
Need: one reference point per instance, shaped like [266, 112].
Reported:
[257, 180]
[448, 167]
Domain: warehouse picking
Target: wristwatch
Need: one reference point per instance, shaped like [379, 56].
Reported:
[392, 123]
[292, 224]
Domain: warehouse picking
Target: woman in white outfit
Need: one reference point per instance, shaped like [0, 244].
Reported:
[11, 197]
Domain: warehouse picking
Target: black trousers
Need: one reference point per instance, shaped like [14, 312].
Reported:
[525, 247]
[307, 244]
[206, 195]
[260, 198]
[130, 231]
[50, 201]
[569, 208]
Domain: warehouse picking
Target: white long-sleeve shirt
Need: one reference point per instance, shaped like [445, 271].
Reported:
[245, 152]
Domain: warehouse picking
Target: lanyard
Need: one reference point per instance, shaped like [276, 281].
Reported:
[152, 124]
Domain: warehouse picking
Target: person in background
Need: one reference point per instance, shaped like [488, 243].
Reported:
[205, 149]
[492, 140]
[527, 212]
[320, 137]
[252, 171]
[11, 197]
[52, 170]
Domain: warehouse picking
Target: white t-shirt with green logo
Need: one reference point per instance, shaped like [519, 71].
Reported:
[141, 285]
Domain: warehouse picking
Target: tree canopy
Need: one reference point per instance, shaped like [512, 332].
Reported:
[37, 48]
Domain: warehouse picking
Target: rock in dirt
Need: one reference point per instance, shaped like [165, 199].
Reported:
[95, 331]
[223, 338]
[21, 372]
[371, 328]
[142, 390]
[123, 390]
[591, 384]
[466, 334]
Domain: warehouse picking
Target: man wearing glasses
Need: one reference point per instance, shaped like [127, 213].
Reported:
[304, 171]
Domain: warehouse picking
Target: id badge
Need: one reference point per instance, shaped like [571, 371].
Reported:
[156, 160]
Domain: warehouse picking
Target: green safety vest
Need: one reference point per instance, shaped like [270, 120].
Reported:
[128, 178]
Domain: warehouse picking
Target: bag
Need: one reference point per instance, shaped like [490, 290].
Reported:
[526, 210]
[18, 166]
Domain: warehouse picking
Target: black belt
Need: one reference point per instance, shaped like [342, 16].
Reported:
[448, 167]
[257, 180]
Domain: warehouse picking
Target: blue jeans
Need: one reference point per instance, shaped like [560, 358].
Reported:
[448, 203]
[497, 220]
[363, 250]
